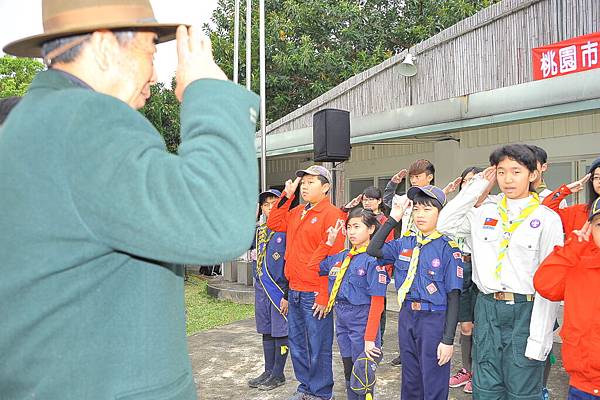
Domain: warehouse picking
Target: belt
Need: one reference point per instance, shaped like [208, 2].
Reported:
[420, 306]
[466, 258]
[508, 296]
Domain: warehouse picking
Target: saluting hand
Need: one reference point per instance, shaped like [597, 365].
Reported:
[578, 186]
[291, 186]
[354, 202]
[584, 233]
[452, 186]
[400, 176]
[333, 231]
[195, 59]
[399, 207]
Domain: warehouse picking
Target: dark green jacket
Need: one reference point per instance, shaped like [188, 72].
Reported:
[93, 208]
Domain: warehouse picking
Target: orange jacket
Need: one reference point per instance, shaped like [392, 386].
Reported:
[572, 217]
[572, 273]
[303, 236]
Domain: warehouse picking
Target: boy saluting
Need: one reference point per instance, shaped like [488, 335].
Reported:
[511, 235]
[310, 330]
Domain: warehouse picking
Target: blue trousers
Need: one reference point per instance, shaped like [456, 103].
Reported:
[420, 333]
[576, 394]
[268, 320]
[310, 341]
[350, 326]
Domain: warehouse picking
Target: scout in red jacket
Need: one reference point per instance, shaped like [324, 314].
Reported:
[310, 331]
[572, 273]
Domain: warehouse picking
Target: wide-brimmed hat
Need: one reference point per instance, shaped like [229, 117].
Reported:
[63, 18]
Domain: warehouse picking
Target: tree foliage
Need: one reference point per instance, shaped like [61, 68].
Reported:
[16, 74]
[313, 45]
[162, 109]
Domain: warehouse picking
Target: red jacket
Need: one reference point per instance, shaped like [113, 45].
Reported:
[573, 217]
[572, 273]
[303, 236]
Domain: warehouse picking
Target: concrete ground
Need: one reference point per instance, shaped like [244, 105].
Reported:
[224, 359]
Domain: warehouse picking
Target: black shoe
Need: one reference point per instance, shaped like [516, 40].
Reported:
[272, 383]
[396, 362]
[256, 382]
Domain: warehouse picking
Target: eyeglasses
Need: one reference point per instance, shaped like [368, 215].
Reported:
[596, 179]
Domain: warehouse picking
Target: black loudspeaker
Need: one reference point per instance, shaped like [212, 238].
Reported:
[331, 135]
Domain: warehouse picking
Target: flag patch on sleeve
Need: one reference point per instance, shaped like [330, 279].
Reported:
[490, 222]
[380, 268]
[405, 254]
[457, 255]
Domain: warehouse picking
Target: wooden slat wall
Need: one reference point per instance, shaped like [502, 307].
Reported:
[489, 50]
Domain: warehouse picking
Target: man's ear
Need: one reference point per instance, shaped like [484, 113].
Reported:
[372, 230]
[429, 178]
[544, 167]
[104, 47]
[325, 188]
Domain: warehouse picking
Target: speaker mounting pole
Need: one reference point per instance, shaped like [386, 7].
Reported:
[263, 93]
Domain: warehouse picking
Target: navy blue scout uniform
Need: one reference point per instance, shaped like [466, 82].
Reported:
[422, 318]
[364, 278]
[270, 286]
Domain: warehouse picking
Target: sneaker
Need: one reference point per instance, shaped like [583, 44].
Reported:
[461, 378]
[254, 383]
[545, 394]
[396, 362]
[272, 383]
[298, 396]
[469, 387]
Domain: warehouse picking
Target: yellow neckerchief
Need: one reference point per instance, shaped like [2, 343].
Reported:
[340, 275]
[262, 238]
[414, 262]
[541, 188]
[509, 227]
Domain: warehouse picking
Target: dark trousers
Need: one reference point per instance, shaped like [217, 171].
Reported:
[420, 333]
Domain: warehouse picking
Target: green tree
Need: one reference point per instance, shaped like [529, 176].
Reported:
[16, 74]
[162, 109]
[313, 45]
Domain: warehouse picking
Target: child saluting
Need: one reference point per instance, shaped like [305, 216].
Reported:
[356, 287]
[511, 234]
[428, 274]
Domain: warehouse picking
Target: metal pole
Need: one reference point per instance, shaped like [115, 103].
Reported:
[236, 41]
[248, 44]
[263, 107]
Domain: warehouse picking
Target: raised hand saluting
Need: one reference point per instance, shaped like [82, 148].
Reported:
[291, 186]
[399, 207]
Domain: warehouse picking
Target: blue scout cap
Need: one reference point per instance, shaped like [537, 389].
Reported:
[363, 376]
[432, 191]
[595, 209]
[316, 170]
[268, 193]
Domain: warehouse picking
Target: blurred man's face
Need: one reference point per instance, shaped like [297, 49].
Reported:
[137, 70]
[420, 180]
[268, 205]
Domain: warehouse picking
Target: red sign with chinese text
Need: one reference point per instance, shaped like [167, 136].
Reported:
[566, 57]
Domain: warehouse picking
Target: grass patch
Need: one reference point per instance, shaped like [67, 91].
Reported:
[205, 312]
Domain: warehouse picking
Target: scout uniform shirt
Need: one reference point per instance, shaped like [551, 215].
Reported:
[533, 240]
[363, 278]
[439, 271]
[273, 258]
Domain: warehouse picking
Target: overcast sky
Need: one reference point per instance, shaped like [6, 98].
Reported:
[22, 18]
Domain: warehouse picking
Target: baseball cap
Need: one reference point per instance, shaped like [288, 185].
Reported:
[268, 193]
[595, 210]
[316, 170]
[432, 191]
[363, 376]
